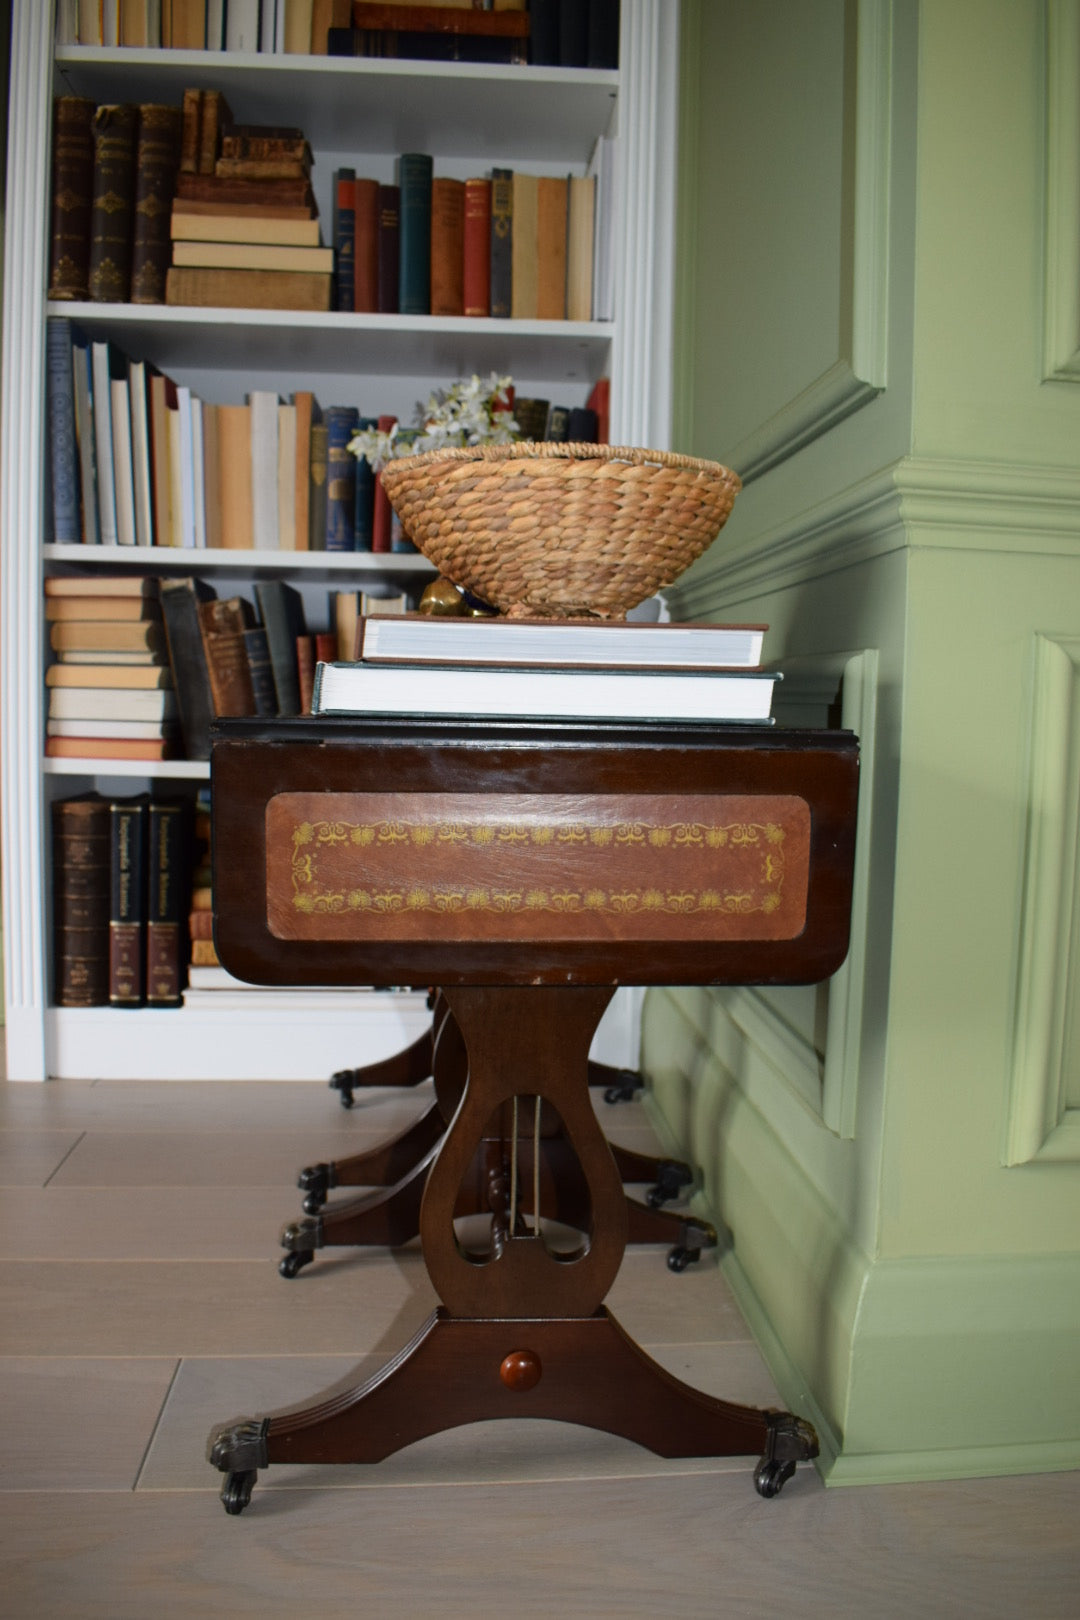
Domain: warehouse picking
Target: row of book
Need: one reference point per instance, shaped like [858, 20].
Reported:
[509, 244]
[512, 668]
[122, 882]
[138, 460]
[566, 33]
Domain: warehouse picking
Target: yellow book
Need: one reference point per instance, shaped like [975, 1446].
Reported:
[244, 227]
[252, 256]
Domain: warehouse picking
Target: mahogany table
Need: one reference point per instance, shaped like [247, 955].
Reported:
[527, 869]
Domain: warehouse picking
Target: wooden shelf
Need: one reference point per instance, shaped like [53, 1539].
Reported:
[373, 105]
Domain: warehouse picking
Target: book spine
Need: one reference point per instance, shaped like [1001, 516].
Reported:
[190, 131]
[264, 463]
[366, 249]
[214, 114]
[544, 33]
[156, 159]
[344, 239]
[447, 246]
[282, 612]
[581, 427]
[72, 198]
[80, 855]
[551, 224]
[127, 906]
[317, 518]
[573, 33]
[364, 507]
[103, 445]
[247, 289]
[210, 188]
[63, 454]
[261, 142]
[112, 217]
[230, 672]
[242, 25]
[382, 521]
[558, 423]
[476, 248]
[261, 671]
[187, 658]
[602, 39]
[166, 904]
[414, 270]
[502, 241]
[262, 169]
[389, 249]
[84, 435]
[341, 423]
[305, 670]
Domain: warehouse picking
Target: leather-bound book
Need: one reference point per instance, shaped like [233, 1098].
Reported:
[190, 130]
[476, 248]
[214, 115]
[210, 188]
[447, 246]
[180, 599]
[127, 902]
[344, 239]
[80, 858]
[342, 422]
[389, 248]
[247, 289]
[168, 862]
[502, 241]
[366, 269]
[282, 609]
[364, 506]
[112, 216]
[72, 197]
[157, 157]
[414, 269]
[223, 622]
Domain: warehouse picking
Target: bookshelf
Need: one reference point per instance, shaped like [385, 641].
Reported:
[359, 112]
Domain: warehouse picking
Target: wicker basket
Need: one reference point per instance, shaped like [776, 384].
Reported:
[542, 530]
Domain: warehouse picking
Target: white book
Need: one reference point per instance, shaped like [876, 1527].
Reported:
[215, 24]
[422, 638]
[198, 466]
[264, 468]
[103, 445]
[268, 25]
[142, 730]
[187, 468]
[556, 694]
[603, 165]
[140, 454]
[67, 22]
[110, 22]
[84, 435]
[242, 25]
[111, 703]
[123, 477]
[279, 25]
[286, 475]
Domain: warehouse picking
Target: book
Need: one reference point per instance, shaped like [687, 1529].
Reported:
[308, 414]
[195, 224]
[428, 638]
[242, 25]
[341, 424]
[265, 141]
[232, 193]
[215, 24]
[447, 246]
[282, 610]
[263, 403]
[544, 33]
[112, 213]
[602, 35]
[261, 671]
[247, 289]
[180, 599]
[298, 27]
[382, 514]
[603, 165]
[141, 461]
[524, 246]
[167, 902]
[127, 901]
[60, 415]
[106, 635]
[581, 204]
[235, 522]
[214, 114]
[198, 467]
[104, 361]
[223, 622]
[713, 698]
[203, 255]
[366, 246]
[364, 503]
[531, 416]
[582, 426]
[71, 197]
[343, 257]
[389, 249]
[81, 878]
[476, 248]
[286, 477]
[96, 703]
[160, 389]
[551, 229]
[558, 424]
[140, 24]
[152, 748]
[157, 160]
[188, 25]
[111, 730]
[345, 620]
[414, 232]
[113, 677]
[317, 516]
[190, 125]
[599, 400]
[111, 585]
[123, 471]
[573, 33]
[93, 605]
[262, 169]
[83, 389]
[305, 670]
[502, 241]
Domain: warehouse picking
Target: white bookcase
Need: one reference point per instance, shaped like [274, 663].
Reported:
[356, 112]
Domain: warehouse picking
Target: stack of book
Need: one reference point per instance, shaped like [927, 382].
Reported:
[120, 881]
[506, 668]
[110, 688]
[247, 235]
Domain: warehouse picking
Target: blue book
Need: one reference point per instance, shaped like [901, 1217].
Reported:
[344, 218]
[364, 506]
[63, 448]
[414, 233]
[83, 388]
[341, 423]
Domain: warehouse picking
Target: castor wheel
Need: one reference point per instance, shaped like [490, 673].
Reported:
[316, 1181]
[625, 1088]
[680, 1257]
[344, 1081]
[771, 1475]
[236, 1491]
[671, 1177]
[295, 1262]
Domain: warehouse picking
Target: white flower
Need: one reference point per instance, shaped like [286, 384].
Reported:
[467, 413]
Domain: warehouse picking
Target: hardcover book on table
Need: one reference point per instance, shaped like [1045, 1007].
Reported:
[423, 638]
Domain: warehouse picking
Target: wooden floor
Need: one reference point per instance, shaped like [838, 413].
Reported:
[140, 1304]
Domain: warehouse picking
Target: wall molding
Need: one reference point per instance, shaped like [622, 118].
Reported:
[1039, 1122]
[860, 370]
[1061, 224]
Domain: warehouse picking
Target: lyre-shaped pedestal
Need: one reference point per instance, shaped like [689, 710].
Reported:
[522, 1331]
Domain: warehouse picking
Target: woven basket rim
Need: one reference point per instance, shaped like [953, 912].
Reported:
[556, 450]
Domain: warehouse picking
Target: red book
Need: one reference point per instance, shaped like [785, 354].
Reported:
[366, 282]
[600, 402]
[477, 249]
[383, 518]
[447, 246]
